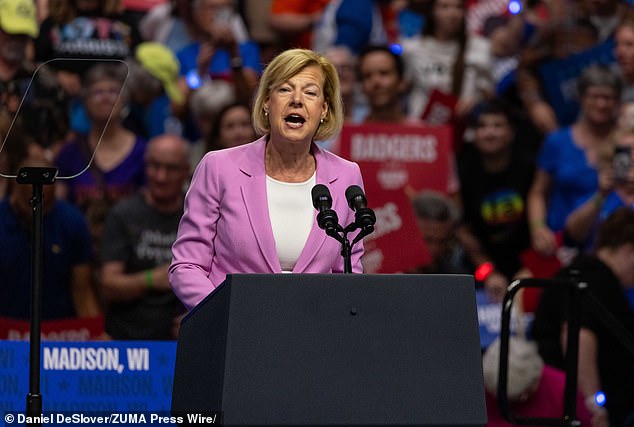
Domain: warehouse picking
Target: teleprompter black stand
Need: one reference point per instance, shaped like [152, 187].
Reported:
[576, 292]
[335, 350]
[37, 177]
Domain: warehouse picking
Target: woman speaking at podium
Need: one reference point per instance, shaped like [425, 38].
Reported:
[249, 208]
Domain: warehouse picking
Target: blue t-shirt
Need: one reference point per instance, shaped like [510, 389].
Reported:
[178, 36]
[354, 24]
[410, 23]
[350, 23]
[66, 242]
[573, 180]
[611, 203]
[220, 65]
[154, 119]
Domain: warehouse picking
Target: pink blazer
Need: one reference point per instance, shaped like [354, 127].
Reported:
[226, 228]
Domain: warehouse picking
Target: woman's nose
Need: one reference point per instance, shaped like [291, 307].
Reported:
[296, 98]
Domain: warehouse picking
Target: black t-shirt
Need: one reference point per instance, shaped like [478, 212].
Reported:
[495, 205]
[616, 364]
[141, 238]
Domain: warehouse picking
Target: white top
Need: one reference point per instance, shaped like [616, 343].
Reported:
[292, 215]
[429, 65]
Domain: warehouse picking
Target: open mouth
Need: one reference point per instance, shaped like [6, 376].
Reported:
[295, 120]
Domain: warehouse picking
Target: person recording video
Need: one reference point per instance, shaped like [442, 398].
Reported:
[616, 189]
[249, 208]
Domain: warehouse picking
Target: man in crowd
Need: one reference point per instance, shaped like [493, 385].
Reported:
[438, 220]
[67, 273]
[136, 247]
[381, 73]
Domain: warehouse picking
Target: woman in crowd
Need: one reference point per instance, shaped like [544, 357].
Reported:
[231, 127]
[249, 208]
[567, 163]
[615, 190]
[447, 59]
[111, 155]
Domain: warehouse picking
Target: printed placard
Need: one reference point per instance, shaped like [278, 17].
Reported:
[396, 162]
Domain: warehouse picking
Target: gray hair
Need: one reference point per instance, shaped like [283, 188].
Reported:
[436, 206]
[116, 71]
[525, 367]
[141, 79]
[599, 75]
[211, 98]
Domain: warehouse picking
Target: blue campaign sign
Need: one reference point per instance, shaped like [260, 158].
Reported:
[91, 377]
[490, 319]
[560, 78]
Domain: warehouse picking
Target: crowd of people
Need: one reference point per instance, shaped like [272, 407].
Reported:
[127, 98]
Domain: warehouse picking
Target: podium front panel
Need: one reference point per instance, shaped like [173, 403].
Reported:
[345, 350]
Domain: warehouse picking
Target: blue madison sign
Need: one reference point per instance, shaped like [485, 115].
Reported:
[91, 377]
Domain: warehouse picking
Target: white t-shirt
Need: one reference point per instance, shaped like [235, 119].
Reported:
[292, 215]
[429, 65]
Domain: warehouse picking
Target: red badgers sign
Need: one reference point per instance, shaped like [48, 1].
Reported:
[397, 161]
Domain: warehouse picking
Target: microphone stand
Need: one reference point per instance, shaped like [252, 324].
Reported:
[327, 219]
[346, 249]
[346, 246]
[37, 177]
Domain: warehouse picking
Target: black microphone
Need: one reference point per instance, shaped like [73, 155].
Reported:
[364, 217]
[322, 201]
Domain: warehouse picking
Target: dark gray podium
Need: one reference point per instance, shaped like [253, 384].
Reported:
[333, 350]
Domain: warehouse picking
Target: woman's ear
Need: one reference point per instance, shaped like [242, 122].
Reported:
[265, 105]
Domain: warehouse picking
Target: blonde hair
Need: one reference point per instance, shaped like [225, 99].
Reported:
[286, 65]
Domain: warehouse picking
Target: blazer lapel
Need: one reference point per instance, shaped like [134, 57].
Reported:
[253, 191]
[317, 237]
